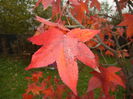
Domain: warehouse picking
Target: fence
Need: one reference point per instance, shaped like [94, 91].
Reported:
[14, 44]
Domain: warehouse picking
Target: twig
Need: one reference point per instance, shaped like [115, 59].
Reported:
[103, 57]
[75, 20]
[116, 40]
[106, 46]
[96, 46]
[129, 78]
[72, 26]
[110, 64]
[125, 44]
[105, 15]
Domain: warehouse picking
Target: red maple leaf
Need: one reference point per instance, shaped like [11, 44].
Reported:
[107, 79]
[65, 49]
[127, 22]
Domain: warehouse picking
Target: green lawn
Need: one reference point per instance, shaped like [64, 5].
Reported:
[13, 83]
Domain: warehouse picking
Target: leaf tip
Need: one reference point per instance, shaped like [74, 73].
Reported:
[75, 92]
[27, 68]
[97, 69]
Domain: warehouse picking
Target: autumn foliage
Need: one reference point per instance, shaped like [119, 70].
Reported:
[40, 86]
[66, 46]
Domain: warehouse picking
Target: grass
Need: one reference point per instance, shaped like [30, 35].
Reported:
[13, 83]
[12, 77]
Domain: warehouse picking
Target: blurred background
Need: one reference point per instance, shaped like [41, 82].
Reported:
[16, 25]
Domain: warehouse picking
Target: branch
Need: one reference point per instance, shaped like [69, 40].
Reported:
[116, 40]
[107, 16]
[106, 46]
[105, 59]
[72, 26]
[97, 36]
[130, 9]
[130, 2]
[118, 8]
[114, 64]
[96, 46]
[75, 20]
[125, 44]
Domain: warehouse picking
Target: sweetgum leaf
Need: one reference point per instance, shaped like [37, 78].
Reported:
[80, 10]
[64, 49]
[83, 34]
[47, 37]
[87, 56]
[68, 70]
[46, 22]
[127, 22]
[94, 83]
[107, 79]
